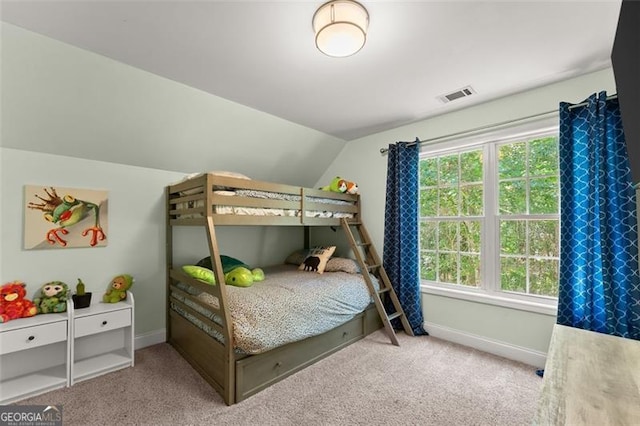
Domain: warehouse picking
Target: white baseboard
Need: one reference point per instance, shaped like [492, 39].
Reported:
[495, 347]
[150, 338]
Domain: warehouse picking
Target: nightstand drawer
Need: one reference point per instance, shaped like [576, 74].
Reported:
[32, 337]
[94, 324]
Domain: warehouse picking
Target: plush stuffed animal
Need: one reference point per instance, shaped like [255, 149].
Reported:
[53, 298]
[352, 188]
[236, 272]
[341, 185]
[243, 277]
[117, 290]
[337, 185]
[13, 303]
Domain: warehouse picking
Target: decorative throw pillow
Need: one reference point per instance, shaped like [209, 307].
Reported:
[317, 259]
[297, 257]
[342, 264]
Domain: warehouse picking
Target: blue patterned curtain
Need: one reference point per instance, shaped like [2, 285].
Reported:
[401, 247]
[599, 278]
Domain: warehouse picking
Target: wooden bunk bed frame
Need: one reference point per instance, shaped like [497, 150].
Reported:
[237, 376]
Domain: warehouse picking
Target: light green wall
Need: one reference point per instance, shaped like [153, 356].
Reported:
[135, 229]
[75, 119]
[62, 100]
[525, 329]
[362, 162]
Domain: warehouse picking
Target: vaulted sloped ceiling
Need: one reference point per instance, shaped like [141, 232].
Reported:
[261, 53]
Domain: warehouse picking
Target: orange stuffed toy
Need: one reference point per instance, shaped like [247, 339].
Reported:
[13, 303]
[352, 187]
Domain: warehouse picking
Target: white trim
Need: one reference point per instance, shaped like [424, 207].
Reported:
[495, 347]
[489, 299]
[151, 338]
[501, 134]
[490, 255]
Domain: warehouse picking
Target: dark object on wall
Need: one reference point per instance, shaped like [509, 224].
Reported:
[626, 69]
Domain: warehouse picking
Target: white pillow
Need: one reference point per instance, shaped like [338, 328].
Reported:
[342, 264]
[225, 173]
[221, 173]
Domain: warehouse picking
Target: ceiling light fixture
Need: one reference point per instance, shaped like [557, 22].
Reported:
[340, 27]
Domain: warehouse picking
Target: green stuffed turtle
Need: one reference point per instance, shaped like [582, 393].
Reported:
[52, 298]
[236, 272]
[200, 273]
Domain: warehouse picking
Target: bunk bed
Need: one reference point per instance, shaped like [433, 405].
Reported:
[200, 316]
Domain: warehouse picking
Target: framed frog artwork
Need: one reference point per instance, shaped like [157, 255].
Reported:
[57, 217]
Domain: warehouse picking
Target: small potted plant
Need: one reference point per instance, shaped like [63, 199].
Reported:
[81, 299]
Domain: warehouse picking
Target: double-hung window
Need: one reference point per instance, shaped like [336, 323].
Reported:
[489, 215]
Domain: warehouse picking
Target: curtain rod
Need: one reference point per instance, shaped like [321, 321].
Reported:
[493, 126]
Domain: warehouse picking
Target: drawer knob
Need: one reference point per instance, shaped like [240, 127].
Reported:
[30, 338]
[278, 364]
[104, 322]
[344, 334]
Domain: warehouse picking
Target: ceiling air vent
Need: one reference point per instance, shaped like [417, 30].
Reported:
[460, 93]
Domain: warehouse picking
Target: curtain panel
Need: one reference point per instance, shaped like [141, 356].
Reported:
[401, 251]
[599, 279]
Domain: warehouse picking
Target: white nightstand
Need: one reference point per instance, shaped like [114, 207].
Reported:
[33, 356]
[101, 339]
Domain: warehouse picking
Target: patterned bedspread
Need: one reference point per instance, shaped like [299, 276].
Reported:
[290, 305]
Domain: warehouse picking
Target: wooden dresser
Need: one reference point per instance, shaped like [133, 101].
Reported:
[590, 379]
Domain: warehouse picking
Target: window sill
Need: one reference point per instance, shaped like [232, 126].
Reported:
[489, 299]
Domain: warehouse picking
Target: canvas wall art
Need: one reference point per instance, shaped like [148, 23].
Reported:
[57, 217]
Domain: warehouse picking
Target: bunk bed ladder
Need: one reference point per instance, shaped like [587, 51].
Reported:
[371, 265]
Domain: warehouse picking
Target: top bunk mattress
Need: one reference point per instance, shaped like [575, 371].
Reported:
[234, 195]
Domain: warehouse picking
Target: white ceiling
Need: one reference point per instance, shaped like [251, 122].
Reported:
[262, 54]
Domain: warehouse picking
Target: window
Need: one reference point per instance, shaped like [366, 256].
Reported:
[489, 215]
[529, 228]
[451, 209]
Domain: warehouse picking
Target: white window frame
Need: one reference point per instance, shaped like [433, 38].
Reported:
[490, 292]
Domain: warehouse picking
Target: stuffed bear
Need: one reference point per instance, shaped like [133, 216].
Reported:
[13, 303]
[117, 290]
[53, 298]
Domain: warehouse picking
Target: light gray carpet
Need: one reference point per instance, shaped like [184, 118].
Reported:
[425, 381]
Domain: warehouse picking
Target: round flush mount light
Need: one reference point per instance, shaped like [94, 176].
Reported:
[340, 27]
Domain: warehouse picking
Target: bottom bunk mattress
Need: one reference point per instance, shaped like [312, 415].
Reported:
[288, 306]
